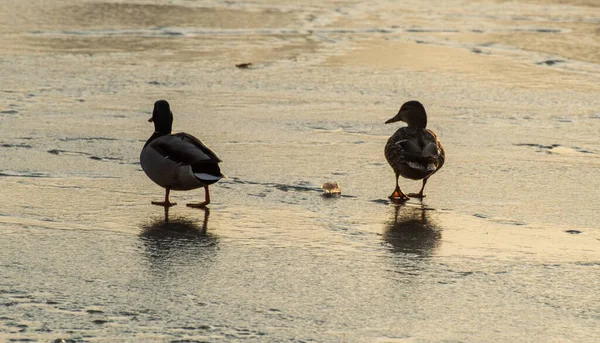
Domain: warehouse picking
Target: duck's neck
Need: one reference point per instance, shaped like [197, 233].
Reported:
[155, 135]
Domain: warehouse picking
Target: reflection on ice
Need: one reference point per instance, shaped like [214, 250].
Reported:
[178, 241]
[412, 231]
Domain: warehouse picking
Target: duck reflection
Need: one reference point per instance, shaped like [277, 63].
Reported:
[178, 241]
[412, 231]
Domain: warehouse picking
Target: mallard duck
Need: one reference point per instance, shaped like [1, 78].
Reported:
[177, 161]
[414, 152]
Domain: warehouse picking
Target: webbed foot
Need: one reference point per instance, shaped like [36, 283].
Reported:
[398, 196]
[198, 205]
[164, 203]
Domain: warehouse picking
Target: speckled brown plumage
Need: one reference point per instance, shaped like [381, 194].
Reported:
[413, 152]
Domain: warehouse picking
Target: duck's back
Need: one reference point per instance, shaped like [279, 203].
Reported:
[180, 161]
[414, 152]
[184, 148]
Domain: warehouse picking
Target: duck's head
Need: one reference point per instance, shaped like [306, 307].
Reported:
[162, 117]
[412, 113]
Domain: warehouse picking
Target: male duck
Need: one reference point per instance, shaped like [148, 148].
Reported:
[177, 161]
[413, 151]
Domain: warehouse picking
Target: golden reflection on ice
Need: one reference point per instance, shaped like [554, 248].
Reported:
[412, 231]
[177, 241]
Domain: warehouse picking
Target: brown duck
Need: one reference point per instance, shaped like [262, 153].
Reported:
[414, 152]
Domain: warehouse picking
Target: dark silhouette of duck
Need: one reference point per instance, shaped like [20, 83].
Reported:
[178, 241]
[412, 232]
[177, 161]
[413, 152]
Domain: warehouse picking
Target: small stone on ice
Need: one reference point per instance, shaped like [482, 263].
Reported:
[331, 188]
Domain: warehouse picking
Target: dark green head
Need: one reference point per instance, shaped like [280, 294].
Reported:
[412, 113]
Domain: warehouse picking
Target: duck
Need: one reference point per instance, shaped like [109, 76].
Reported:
[177, 161]
[414, 152]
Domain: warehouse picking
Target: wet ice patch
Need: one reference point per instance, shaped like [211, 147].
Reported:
[80, 153]
[11, 173]
[18, 145]
[559, 149]
[550, 62]
[68, 139]
[66, 152]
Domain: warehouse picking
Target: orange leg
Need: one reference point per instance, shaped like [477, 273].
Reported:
[206, 200]
[165, 203]
[398, 195]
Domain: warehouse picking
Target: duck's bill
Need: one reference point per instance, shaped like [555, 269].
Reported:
[397, 117]
[393, 120]
[150, 120]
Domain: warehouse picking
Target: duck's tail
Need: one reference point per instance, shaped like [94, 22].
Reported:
[208, 173]
[421, 159]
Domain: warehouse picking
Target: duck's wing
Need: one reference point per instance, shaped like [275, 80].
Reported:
[434, 149]
[185, 149]
[396, 147]
[419, 149]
